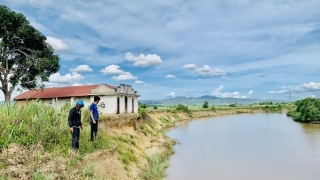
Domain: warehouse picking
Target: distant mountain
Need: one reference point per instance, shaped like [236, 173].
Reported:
[212, 100]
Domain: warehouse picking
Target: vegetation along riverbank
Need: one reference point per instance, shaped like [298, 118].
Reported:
[307, 111]
[35, 141]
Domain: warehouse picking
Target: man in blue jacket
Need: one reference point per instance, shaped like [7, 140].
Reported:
[74, 121]
[94, 117]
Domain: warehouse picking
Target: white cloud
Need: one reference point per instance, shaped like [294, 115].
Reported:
[57, 44]
[68, 78]
[113, 69]
[307, 87]
[205, 70]
[189, 66]
[170, 76]
[233, 95]
[139, 82]
[81, 68]
[124, 77]
[144, 61]
[311, 86]
[172, 94]
[50, 84]
[250, 93]
[217, 92]
[279, 92]
[226, 78]
[77, 84]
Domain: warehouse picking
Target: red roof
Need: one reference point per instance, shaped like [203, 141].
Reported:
[67, 91]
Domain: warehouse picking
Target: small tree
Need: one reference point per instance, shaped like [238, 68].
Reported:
[25, 57]
[205, 104]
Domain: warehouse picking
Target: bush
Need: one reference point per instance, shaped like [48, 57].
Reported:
[142, 112]
[182, 107]
[308, 110]
[205, 104]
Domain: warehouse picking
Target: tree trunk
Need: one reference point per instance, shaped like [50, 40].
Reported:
[5, 90]
[7, 97]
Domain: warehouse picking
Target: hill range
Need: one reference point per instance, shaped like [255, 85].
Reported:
[212, 100]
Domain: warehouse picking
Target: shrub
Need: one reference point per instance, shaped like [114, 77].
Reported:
[142, 112]
[182, 107]
[205, 104]
[143, 106]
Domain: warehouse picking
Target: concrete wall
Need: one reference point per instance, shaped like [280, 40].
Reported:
[130, 107]
[107, 105]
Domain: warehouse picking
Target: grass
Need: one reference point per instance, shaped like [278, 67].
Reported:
[37, 123]
[156, 169]
[88, 171]
[164, 121]
[126, 154]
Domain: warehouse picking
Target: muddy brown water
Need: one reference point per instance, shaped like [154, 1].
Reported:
[245, 147]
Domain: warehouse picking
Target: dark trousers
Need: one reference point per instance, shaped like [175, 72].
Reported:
[75, 138]
[94, 130]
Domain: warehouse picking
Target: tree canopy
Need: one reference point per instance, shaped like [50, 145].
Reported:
[308, 110]
[26, 59]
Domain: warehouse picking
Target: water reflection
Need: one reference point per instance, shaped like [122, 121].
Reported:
[248, 146]
[311, 135]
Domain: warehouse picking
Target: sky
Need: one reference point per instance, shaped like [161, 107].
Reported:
[254, 49]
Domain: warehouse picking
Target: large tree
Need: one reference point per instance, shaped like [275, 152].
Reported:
[26, 59]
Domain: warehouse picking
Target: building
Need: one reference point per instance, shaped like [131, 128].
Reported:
[114, 100]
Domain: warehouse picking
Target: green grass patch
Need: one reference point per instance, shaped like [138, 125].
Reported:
[126, 154]
[164, 121]
[156, 169]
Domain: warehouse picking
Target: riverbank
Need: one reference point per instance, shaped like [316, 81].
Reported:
[130, 150]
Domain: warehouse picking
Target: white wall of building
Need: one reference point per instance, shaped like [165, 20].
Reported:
[107, 104]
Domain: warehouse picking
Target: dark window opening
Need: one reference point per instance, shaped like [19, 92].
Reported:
[118, 105]
[126, 104]
[132, 105]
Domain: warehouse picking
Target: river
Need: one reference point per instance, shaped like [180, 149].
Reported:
[245, 147]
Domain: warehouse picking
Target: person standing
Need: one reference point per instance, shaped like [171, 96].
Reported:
[74, 121]
[94, 117]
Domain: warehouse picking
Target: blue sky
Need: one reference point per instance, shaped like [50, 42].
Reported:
[239, 48]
